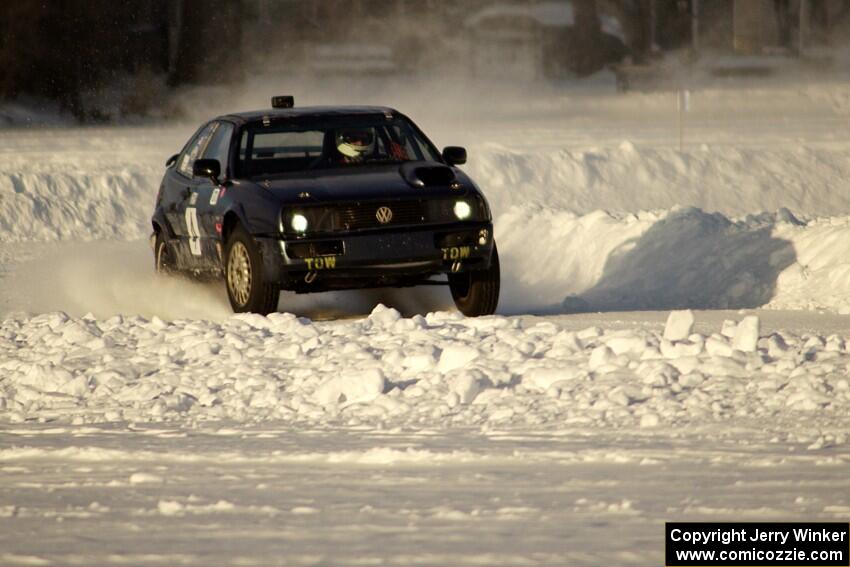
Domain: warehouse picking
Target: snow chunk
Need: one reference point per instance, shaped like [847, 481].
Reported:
[680, 349]
[419, 362]
[679, 325]
[728, 329]
[543, 378]
[718, 345]
[627, 344]
[79, 332]
[626, 146]
[776, 346]
[170, 507]
[721, 366]
[456, 356]
[253, 320]
[649, 420]
[601, 356]
[466, 387]
[145, 478]
[384, 316]
[806, 400]
[747, 334]
[351, 388]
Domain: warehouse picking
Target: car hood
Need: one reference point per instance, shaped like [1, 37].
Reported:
[370, 183]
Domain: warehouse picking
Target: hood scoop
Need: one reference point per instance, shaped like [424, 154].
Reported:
[427, 174]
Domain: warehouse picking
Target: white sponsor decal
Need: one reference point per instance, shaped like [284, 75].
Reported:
[214, 196]
[193, 231]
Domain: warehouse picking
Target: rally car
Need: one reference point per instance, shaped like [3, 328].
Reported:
[323, 198]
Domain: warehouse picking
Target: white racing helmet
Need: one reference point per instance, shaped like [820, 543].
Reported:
[355, 142]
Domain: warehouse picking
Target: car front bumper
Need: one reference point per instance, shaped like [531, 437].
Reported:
[378, 254]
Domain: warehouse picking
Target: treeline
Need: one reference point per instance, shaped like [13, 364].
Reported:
[63, 49]
[68, 51]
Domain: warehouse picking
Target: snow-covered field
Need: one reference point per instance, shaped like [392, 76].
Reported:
[141, 423]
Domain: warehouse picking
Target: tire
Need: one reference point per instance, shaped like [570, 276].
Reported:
[476, 292]
[247, 290]
[163, 257]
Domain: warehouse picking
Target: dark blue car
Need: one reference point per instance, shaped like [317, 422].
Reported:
[324, 198]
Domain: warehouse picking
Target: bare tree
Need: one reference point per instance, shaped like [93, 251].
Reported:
[209, 42]
[642, 36]
[586, 45]
[62, 50]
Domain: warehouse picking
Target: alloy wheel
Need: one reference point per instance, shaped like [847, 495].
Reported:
[239, 273]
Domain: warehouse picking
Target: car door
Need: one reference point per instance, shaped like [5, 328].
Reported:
[173, 187]
[209, 193]
[184, 194]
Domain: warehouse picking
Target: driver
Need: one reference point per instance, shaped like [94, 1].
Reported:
[354, 144]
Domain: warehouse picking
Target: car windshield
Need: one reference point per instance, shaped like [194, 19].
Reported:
[272, 150]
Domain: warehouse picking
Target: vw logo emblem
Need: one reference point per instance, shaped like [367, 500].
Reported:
[384, 215]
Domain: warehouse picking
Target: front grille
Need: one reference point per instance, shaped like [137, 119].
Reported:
[360, 216]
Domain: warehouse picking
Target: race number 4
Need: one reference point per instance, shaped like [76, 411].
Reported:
[193, 231]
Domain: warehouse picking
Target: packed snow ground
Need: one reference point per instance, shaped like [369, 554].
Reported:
[231, 494]
[142, 423]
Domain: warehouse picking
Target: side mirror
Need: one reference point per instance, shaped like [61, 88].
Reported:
[209, 168]
[171, 160]
[454, 155]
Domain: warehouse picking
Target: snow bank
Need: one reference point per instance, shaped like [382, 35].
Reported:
[676, 259]
[76, 206]
[441, 370]
[101, 183]
[82, 183]
[116, 202]
[808, 180]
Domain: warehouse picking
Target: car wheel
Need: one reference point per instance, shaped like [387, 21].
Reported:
[476, 292]
[243, 274]
[164, 261]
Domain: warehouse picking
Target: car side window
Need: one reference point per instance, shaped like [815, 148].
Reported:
[407, 142]
[219, 146]
[193, 151]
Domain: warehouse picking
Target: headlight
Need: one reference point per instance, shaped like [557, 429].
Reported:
[299, 223]
[462, 210]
